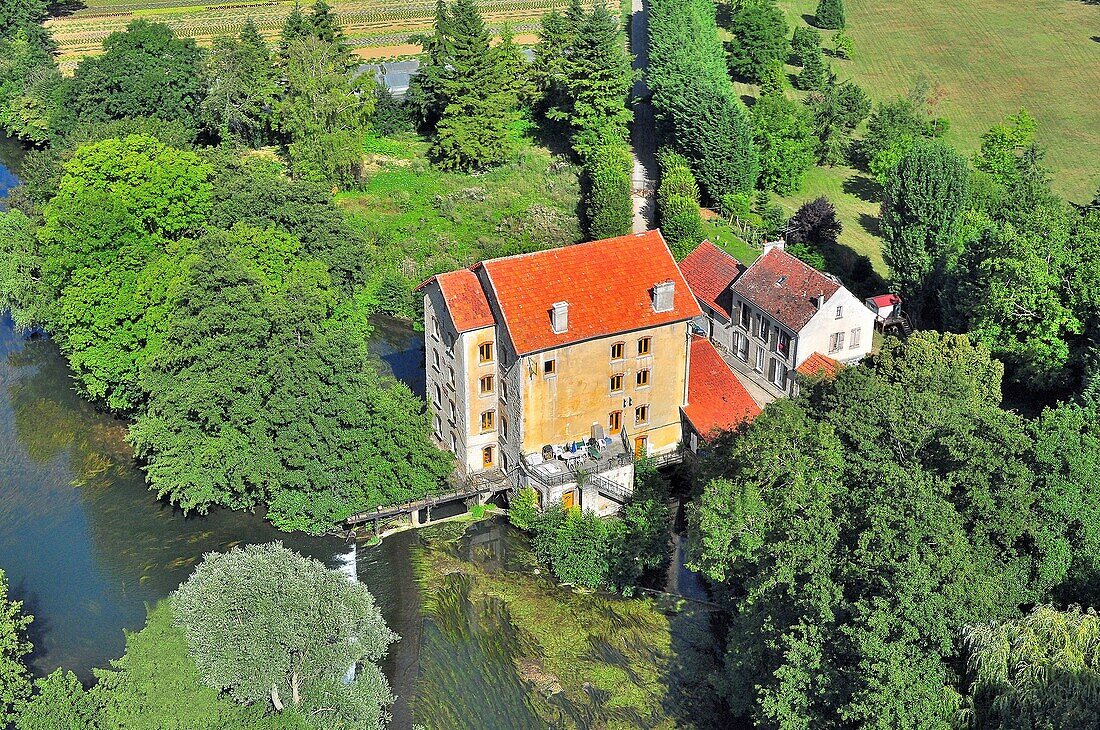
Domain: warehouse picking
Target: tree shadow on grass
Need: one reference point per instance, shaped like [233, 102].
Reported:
[871, 223]
[864, 187]
[810, 20]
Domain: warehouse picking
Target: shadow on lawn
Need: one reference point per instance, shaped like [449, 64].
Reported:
[864, 187]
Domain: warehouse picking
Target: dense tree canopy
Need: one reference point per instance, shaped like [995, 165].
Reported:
[785, 138]
[700, 114]
[15, 683]
[857, 530]
[144, 72]
[242, 89]
[759, 32]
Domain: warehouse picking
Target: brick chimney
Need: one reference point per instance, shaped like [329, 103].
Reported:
[559, 317]
[663, 295]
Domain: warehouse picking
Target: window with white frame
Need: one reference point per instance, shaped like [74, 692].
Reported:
[759, 367]
[856, 337]
[840, 312]
[836, 342]
[741, 344]
[762, 330]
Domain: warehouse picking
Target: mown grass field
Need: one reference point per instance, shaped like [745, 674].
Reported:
[990, 58]
[375, 28]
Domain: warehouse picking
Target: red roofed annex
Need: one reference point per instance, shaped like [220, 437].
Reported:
[717, 401]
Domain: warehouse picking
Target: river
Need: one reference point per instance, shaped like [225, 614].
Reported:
[87, 547]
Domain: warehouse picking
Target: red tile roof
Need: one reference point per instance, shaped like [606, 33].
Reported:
[818, 364]
[466, 301]
[709, 272]
[885, 300]
[717, 401]
[784, 287]
[608, 285]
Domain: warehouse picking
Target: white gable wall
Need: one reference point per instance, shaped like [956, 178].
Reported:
[816, 336]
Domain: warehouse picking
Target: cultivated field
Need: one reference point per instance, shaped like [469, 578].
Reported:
[375, 28]
[990, 57]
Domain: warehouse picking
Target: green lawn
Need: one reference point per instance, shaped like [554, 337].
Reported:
[990, 57]
[428, 221]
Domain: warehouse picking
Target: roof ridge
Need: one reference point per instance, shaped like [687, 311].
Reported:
[542, 251]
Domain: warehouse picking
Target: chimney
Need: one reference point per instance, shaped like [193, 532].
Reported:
[559, 317]
[780, 244]
[663, 294]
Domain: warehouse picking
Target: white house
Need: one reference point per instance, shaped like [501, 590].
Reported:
[776, 313]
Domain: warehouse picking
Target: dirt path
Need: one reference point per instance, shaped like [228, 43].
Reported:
[643, 134]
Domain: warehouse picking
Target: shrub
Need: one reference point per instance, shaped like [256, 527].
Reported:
[804, 42]
[478, 511]
[609, 207]
[678, 204]
[579, 547]
[523, 509]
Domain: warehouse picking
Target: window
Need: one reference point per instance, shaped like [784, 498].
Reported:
[438, 396]
[454, 412]
[436, 354]
[855, 338]
[641, 415]
[549, 367]
[618, 351]
[784, 346]
[836, 342]
[762, 330]
[488, 420]
[615, 421]
[617, 383]
[452, 375]
[778, 373]
[839, 312]
[438, 428]
[741, 342]
[485, 352]
[504, 390]
[487, 384]
[504, 428]
[644, 345]
[643, 378]
[487, 457]
[745, 315]
[759, 367]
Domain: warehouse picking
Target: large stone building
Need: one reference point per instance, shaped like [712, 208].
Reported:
[556, 368]
[778, 316]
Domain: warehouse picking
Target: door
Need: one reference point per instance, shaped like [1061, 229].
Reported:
[568, 499]
[641, 445]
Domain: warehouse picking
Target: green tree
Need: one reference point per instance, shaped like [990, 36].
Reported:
[579, 546]
[325, 112]
[803, 43]
[241, 89]
[15, 15]
[695, 102]
[263, 393]
[266, 625]
[759, 40]
[1038, 671]
[1002, 147]
[59, 703]
[524, 508]
[144, 72]
[830, 14]
[294, 28]
[609, 207]
[678, 204]
[156, 686]
[15, 682]
[322, 24]
[854, 530]
[646, 534]
[476, 100]
[30, 87]
[786, 142]
[814, 72]
[892, 129]
[924, 197]
[595, 82]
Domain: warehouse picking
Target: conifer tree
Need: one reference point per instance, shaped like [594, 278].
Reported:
[830, 14]
[294, 27]
[813, 74]
[479, 108]
[517, 70]
[425, 93]
[597, 80]
[323, 24]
